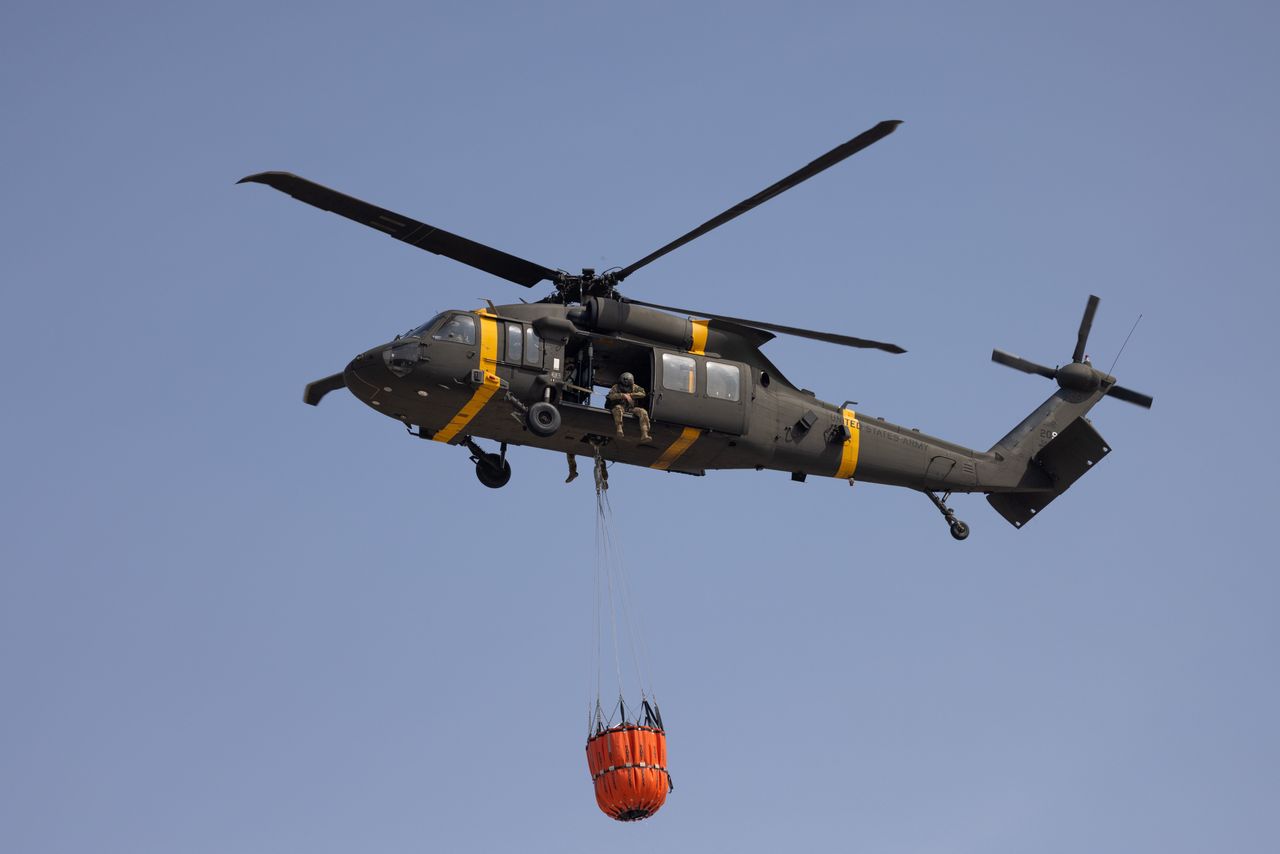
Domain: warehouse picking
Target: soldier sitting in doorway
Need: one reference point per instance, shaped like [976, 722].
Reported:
[626, 396]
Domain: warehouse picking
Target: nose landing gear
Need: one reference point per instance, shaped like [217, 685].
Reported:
[492, 470]
[959, 529]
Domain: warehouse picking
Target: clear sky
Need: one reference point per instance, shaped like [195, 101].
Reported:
[231, 622]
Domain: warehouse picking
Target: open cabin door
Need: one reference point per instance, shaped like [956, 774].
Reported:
[699, 391]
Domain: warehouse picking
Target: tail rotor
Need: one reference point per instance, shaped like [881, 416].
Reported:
[1079, 374]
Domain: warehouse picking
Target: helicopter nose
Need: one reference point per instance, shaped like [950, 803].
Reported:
[368, 374]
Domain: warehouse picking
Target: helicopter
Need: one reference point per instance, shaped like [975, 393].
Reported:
[525, 374]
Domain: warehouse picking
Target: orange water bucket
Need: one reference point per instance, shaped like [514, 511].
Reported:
[629, 769]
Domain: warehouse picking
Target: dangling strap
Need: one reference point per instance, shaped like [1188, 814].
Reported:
[601, 473]
[652, 717]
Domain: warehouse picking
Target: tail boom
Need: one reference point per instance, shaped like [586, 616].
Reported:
[1022, 473]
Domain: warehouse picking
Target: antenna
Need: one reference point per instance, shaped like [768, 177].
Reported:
[1111, 370]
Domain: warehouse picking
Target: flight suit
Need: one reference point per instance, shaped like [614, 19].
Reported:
[617, 402]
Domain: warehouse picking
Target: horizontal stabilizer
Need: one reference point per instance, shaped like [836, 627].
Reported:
[318, 389]
[1065, 459]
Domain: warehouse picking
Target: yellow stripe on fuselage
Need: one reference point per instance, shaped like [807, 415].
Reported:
[488, 364]
[849, 453]
[699, 337]
[690, 434]
[677, 448]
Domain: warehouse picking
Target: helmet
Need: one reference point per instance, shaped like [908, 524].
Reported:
[627, 380]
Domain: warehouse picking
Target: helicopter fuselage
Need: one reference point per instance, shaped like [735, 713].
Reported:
[714, 399]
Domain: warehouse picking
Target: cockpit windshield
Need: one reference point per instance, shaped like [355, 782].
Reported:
[421, 331]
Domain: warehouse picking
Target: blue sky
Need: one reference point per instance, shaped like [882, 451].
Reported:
[229, 621]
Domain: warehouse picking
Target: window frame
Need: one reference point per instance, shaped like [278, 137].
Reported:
[675, 359]
[737, 375]
[533, 344]
[510, 326]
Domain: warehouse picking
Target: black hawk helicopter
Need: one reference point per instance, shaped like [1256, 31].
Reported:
[524, 374]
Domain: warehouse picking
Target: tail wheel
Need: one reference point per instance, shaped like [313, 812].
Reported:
[543, 419]
[493, 471]
[959, 530]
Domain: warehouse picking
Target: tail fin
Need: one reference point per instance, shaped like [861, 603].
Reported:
[1057, 464]
[1056, 444]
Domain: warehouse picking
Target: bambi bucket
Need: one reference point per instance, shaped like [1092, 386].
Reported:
[629, 769]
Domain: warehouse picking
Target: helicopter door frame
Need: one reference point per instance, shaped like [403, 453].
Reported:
[710, 408]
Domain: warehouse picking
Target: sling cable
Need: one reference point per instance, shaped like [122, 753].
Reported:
[626, 746]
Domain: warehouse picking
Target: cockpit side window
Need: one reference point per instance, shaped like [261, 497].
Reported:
[460, 328]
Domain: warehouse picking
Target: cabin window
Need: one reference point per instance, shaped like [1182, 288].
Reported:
[460, 328]
[533, 347]
[678, 373]
[723, 380]
[515, 342]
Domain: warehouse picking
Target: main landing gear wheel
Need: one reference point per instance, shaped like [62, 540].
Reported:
[959, 529]
[543, 419]
[493, 471]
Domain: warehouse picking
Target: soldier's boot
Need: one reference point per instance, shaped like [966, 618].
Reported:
[573, 469]
[617, 420]
[644, 425]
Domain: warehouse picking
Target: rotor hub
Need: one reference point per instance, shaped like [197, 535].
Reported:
[573, 289]
[1078, 376]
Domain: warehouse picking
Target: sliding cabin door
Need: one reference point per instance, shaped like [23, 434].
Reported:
[700, 391]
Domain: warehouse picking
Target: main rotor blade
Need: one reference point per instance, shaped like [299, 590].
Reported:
[1086, 323]
[1128, 395]
[411, 231]
[316, 391]
[1020, 364]
[829, 337]
[826, 161]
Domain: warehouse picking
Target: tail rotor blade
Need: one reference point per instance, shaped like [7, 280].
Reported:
[1086, 323]
[1128, 395]
[1020, 364]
